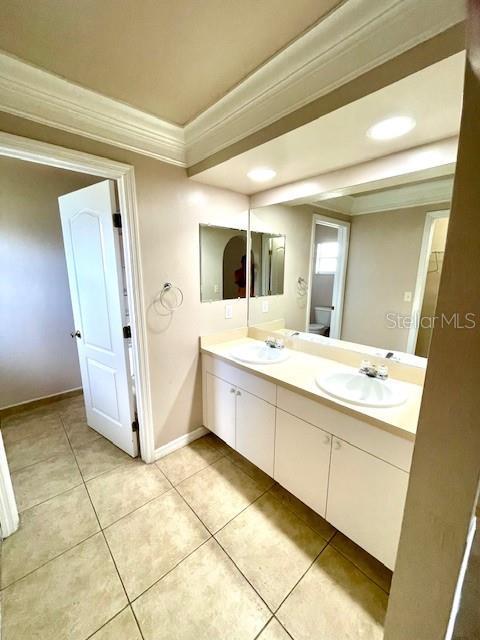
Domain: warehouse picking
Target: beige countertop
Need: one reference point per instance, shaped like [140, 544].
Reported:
[299, 371]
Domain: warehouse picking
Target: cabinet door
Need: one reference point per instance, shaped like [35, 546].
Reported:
[366, 497]
[302, 460]
[255, 436]
[221, 409]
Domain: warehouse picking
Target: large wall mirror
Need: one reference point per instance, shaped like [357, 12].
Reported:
[223, 263]
[361, 265]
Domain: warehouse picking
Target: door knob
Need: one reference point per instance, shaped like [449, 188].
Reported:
[77, 334]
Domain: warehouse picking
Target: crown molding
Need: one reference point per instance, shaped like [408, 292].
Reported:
[352, 40]
[424, 193]
[38, 95]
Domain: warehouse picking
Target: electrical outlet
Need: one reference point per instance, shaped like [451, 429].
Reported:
[407, 296]
[215, 288]
[228, 312]
[264, 306]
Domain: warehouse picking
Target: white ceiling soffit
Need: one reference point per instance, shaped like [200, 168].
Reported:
[427, 161]
[353, 39]
[390, 199]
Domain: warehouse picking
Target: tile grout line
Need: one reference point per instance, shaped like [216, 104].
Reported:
[109, 620]
[284, 627]
[263, 628]
[345, 557]
[269, 609]
[301, 578]
[92, 535]
[101, 530]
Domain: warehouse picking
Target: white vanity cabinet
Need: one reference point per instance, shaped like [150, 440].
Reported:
[302, 460]
[352, 473]
[255, 429]
[220, 410]
[366, 497]
[242, 419]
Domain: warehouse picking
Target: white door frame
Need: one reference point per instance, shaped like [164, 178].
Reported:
[55, 156]
[341, 275]
[422, 275]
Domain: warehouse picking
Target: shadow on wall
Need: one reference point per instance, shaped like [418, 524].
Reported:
[183, 404]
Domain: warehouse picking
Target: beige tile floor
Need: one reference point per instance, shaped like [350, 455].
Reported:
[201, 545]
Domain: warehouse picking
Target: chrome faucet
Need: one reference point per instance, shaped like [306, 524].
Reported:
[274, 343]
[372, 370]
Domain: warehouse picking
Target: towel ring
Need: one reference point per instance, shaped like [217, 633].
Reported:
[168, 286]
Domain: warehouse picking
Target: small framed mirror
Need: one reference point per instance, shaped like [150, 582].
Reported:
[223, 263]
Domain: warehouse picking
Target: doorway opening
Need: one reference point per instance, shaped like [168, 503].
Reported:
[97, 232]
[428, 282]
[329, 251]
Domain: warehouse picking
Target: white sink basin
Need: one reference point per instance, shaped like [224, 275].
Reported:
[258, 353]
[357, 388]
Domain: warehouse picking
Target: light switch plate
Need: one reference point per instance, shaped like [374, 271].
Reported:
[407, 296]
[264, 306]
[228, 312]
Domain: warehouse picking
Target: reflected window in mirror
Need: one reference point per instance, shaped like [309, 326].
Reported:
[223, 263]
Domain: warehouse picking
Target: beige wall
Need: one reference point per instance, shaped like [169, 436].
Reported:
[171, 207]
[296, 224]
[38, 356]
[443, 486]
[382, 265]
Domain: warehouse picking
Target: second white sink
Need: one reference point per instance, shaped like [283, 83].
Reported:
[258, 353]
[358, 388]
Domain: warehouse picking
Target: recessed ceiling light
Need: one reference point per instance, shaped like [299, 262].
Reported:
[261, 174]
[391, 128]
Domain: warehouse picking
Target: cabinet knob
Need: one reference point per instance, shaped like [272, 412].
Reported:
[338, 445]
[238, 393]
[232, 390]
[327, 440]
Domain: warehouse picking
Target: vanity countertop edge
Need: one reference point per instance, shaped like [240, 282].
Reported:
[400, 421]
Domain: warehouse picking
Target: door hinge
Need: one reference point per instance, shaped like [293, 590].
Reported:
[127, 332]
[117, 220]
[135, 425]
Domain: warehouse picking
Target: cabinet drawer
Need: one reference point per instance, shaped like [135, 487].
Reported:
[302, 460]
[248, 381]
[391, 448]
[366, 499]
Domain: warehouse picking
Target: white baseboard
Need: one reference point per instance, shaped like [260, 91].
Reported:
[51, 396]
[180, 442]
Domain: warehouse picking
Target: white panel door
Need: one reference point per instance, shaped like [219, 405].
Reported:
[92, 251]
[366, 498]
[302, 460]
[221, 409]
[255, 435]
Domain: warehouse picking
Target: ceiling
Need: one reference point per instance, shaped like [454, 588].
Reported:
[171, 58]
[433, 96]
